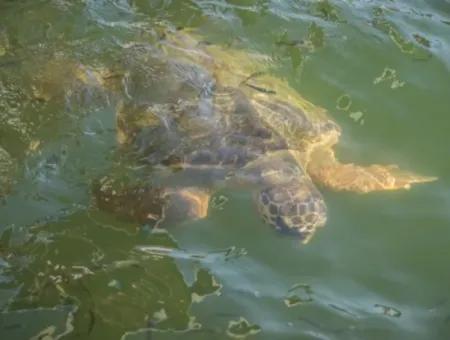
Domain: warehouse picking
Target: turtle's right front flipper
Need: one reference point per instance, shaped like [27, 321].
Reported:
[327, 170]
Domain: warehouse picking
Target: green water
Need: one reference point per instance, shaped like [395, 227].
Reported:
[380, 267]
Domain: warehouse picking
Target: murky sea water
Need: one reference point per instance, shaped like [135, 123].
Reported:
[380, 267]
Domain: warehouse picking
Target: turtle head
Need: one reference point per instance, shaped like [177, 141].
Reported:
[294, 208]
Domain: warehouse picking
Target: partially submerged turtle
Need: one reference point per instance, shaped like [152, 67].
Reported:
[225, 120]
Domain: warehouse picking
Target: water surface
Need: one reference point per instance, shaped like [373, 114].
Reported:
[378, 269]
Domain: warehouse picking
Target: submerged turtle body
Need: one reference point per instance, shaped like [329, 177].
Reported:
[225, 119]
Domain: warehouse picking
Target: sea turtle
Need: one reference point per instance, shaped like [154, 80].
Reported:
[225, 119]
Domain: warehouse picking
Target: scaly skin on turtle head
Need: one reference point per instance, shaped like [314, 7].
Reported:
[295, 208]
[287, 198]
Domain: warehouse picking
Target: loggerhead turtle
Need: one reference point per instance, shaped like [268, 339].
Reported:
[224, 119]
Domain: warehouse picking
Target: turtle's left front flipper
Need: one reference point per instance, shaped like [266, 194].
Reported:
[140, 201]
[129, 199]
[326, 169]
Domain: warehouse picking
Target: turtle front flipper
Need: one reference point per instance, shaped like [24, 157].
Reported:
[326, 169]
[188, 202]
[138, 201]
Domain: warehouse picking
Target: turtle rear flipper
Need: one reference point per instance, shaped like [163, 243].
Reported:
[326, 169]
